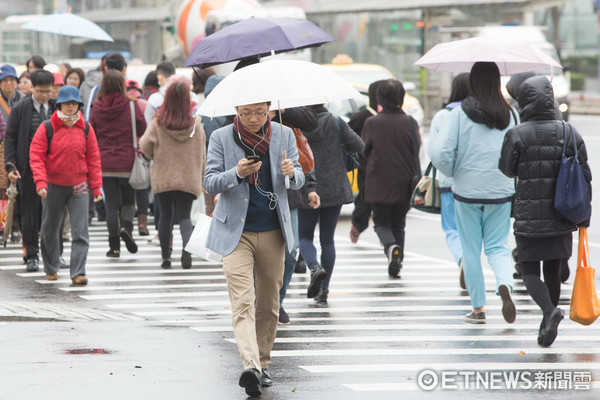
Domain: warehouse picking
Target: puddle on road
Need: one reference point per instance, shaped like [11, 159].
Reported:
[88, 351]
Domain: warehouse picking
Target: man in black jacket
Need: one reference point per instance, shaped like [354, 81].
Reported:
[24, 120]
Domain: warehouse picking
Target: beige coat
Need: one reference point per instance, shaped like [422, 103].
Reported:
[179, 160]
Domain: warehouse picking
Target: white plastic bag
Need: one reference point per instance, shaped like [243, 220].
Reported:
[197, 243]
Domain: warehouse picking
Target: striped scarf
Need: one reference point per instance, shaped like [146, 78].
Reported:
[252, 143]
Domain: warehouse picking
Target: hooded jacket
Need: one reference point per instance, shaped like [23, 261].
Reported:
[111, 119]
[71, 159]
[532, 152]
[468, 151]
[179, 157]
[437, 123]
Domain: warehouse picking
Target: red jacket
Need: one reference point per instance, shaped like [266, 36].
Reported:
[111, 118]
[70, 161]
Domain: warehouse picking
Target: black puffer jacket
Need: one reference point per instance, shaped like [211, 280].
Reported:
[532, 152]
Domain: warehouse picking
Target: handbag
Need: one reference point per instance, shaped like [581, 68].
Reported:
[197, 243]
[572, 195]
[426, 196]
[585, 307]
[139, 179]
[305, 155]
[350, 157]
[415, 139]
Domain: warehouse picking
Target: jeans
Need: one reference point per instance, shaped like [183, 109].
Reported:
[488, 224]
[449, 225]
[174, 204]
[389, 221]
[290, 258]
[120, 204]
[307, 222]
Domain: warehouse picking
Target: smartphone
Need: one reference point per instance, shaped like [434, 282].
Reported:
[254, 159]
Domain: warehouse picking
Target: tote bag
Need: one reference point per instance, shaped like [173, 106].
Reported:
[426, 196]
[139, 178]
[572, 195]
[585, 307]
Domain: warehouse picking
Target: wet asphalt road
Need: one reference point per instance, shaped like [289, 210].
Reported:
[371, 342]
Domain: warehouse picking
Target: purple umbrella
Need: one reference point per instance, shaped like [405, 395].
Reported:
[255, 37]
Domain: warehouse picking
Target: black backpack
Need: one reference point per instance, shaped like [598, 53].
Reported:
[50, 132]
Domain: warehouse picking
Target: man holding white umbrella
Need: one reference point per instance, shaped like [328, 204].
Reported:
[247, 163]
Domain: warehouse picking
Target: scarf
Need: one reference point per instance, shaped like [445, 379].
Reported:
[69, 121]
[252, 143]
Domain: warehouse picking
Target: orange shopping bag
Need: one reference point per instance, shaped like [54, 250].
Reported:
[585, 307]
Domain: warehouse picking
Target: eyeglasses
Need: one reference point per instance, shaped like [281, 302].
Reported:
[254, 114]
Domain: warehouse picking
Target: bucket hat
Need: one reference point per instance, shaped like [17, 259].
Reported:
[8, 70]
[68, 93]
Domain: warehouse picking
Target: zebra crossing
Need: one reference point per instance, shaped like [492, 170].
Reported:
[374, 339]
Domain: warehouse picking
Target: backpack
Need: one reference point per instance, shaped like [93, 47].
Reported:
[50, 132]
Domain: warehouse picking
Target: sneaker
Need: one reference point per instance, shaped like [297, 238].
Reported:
[129, 242]
[509, 312]
[473, 318]
[317, 274]
[552, 327]
[80, 280]
[250, 381]
[394, 261]
[155, 241]
[186, 260]
[51, 277]
[461, 278]
[354, 234]
[283, 316]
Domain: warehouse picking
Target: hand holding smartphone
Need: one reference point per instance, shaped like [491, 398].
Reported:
[254, 159]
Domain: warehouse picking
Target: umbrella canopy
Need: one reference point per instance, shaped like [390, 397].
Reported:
[285, 83]
[511, 57]
[69, 25]
[11, 193]
[255, 37]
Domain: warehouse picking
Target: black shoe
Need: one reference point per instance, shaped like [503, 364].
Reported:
[283, 317]
[509, 312]
[32, 265]
[394, 261]
[113, 253]
[552, 327]
[250, 380]
[129, 242]
[300, 267]
[564, 270]
[265, 378]
[166, 264]
[542, 332]
[321, 298]
[317, 274]
[186, 260]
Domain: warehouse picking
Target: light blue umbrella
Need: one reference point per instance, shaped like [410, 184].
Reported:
[69, 25]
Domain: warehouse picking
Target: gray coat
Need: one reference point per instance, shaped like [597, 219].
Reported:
[229, 217]
[332, 181]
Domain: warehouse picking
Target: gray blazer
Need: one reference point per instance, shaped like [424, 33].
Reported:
[229, 215]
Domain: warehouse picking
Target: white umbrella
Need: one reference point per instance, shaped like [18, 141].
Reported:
[69, 25]
[511, 57]
[285, 83]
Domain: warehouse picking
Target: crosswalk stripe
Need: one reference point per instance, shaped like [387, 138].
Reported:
[455, 366]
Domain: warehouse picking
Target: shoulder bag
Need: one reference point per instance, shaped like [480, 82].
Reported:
[305, 155]
[426, 196]
[572, 195]
[139, 178]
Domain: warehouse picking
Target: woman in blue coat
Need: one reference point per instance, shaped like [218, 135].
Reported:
[468, 150]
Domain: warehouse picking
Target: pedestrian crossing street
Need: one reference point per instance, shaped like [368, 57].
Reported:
[391, 329]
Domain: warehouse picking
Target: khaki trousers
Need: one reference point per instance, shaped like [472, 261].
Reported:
[254, 274]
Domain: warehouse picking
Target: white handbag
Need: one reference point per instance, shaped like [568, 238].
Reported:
[197, 242]
[139, 178]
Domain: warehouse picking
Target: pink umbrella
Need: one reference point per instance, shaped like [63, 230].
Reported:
[511, 57]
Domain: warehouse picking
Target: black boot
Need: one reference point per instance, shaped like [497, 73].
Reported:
[115, 247]
[322, 296]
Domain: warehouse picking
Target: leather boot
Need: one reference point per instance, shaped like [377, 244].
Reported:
[322, 296]
[115, 247]
[142, 220]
